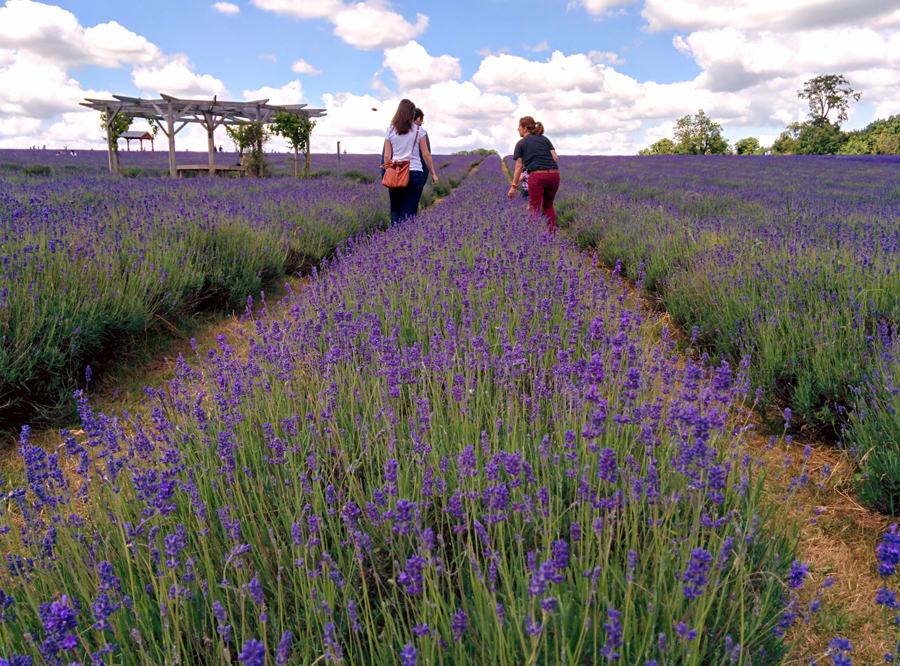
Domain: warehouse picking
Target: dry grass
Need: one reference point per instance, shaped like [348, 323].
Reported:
[837, 538]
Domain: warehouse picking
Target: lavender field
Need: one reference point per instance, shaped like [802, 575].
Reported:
[460, 442]
[88, 261]
[791, 261]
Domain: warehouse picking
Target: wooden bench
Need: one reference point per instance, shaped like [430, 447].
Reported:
[200, 168]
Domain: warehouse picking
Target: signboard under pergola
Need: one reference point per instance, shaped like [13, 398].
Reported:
[173, 114]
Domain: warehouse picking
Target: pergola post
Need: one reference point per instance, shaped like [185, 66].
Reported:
[209, 123]
[110, 144]
[170, 121]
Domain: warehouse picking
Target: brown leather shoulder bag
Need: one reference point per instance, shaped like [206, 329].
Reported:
[396, 172]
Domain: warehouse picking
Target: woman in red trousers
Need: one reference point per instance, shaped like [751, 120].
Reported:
[535, 154]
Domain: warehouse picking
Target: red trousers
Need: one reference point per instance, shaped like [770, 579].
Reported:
[542, 188]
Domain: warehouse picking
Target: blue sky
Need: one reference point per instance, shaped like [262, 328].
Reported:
[606, 76]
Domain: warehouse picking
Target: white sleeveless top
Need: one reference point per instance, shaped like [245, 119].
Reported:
[403, 148]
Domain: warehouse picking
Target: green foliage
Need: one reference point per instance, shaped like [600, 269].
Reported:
[664, 146]
[359, 176]
[787, 142]
[748, 146]
[250, 138]
[297, 130]
[827, 93]
[478, 151]
[38, 170]
[120, 125]
[819, 138]
[881, 137]
[699, 135]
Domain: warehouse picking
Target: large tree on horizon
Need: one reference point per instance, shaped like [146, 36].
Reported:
[826, 93]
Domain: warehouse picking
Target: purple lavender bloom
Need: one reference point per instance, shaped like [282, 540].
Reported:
[886, 597]
[888, 552]
[614, 633]
[607, 466]
[695, 577]
[532, 627]
[256, 591]
[333, 651]
[411, 579]
[408, 655]
[253, 654]
[458, 624]
[284, 649]
[798, 574]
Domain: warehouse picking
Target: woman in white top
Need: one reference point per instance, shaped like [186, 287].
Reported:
[403, 141]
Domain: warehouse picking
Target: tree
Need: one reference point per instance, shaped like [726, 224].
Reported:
[662, 147]
[826, 93]
[788, 142]
[249, 138]
[120, 125]
[297, 129]
[699, 135]
[819, 138]
[747, 146]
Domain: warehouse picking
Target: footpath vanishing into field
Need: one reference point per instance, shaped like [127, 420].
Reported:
[454, 445]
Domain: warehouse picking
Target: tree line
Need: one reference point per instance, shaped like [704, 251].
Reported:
[829, 97]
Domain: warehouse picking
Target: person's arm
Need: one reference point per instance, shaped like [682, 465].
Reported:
[515, 181]
[388, 151]
[426, 155]
[553, 155]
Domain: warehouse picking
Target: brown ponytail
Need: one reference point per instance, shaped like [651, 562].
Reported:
[531, 126]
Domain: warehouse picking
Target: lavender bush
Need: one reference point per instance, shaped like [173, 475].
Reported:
[792, 261]
[87, 262]
[457, 445]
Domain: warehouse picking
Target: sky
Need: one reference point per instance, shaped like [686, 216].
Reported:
[604, 76]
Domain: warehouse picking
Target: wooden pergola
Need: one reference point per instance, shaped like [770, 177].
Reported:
[172, 114]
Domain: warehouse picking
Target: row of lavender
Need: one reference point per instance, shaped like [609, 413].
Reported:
[456, 445]
[63, 161]
[793, 261]
[86, 261]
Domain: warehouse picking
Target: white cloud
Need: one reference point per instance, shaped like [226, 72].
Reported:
[769, 14]
[303, 67]
[267, 56]
[36, 90]
[226, 7]
[605, 56]
[366, 25]
[176, 77]
[302, 9]
[598, 7]
[485, 52]
[291, 93]
[540, 47]
[369, 26]
[415, 68]
[52, 35]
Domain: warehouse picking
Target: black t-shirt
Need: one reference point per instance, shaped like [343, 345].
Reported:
[534, 149]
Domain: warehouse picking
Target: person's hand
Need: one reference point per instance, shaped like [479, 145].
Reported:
[434, 178]
[512, 192]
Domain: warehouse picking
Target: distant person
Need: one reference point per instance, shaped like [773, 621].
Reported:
[403, 141]
[535, 154]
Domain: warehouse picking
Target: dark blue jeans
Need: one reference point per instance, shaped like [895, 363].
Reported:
[405, 200]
